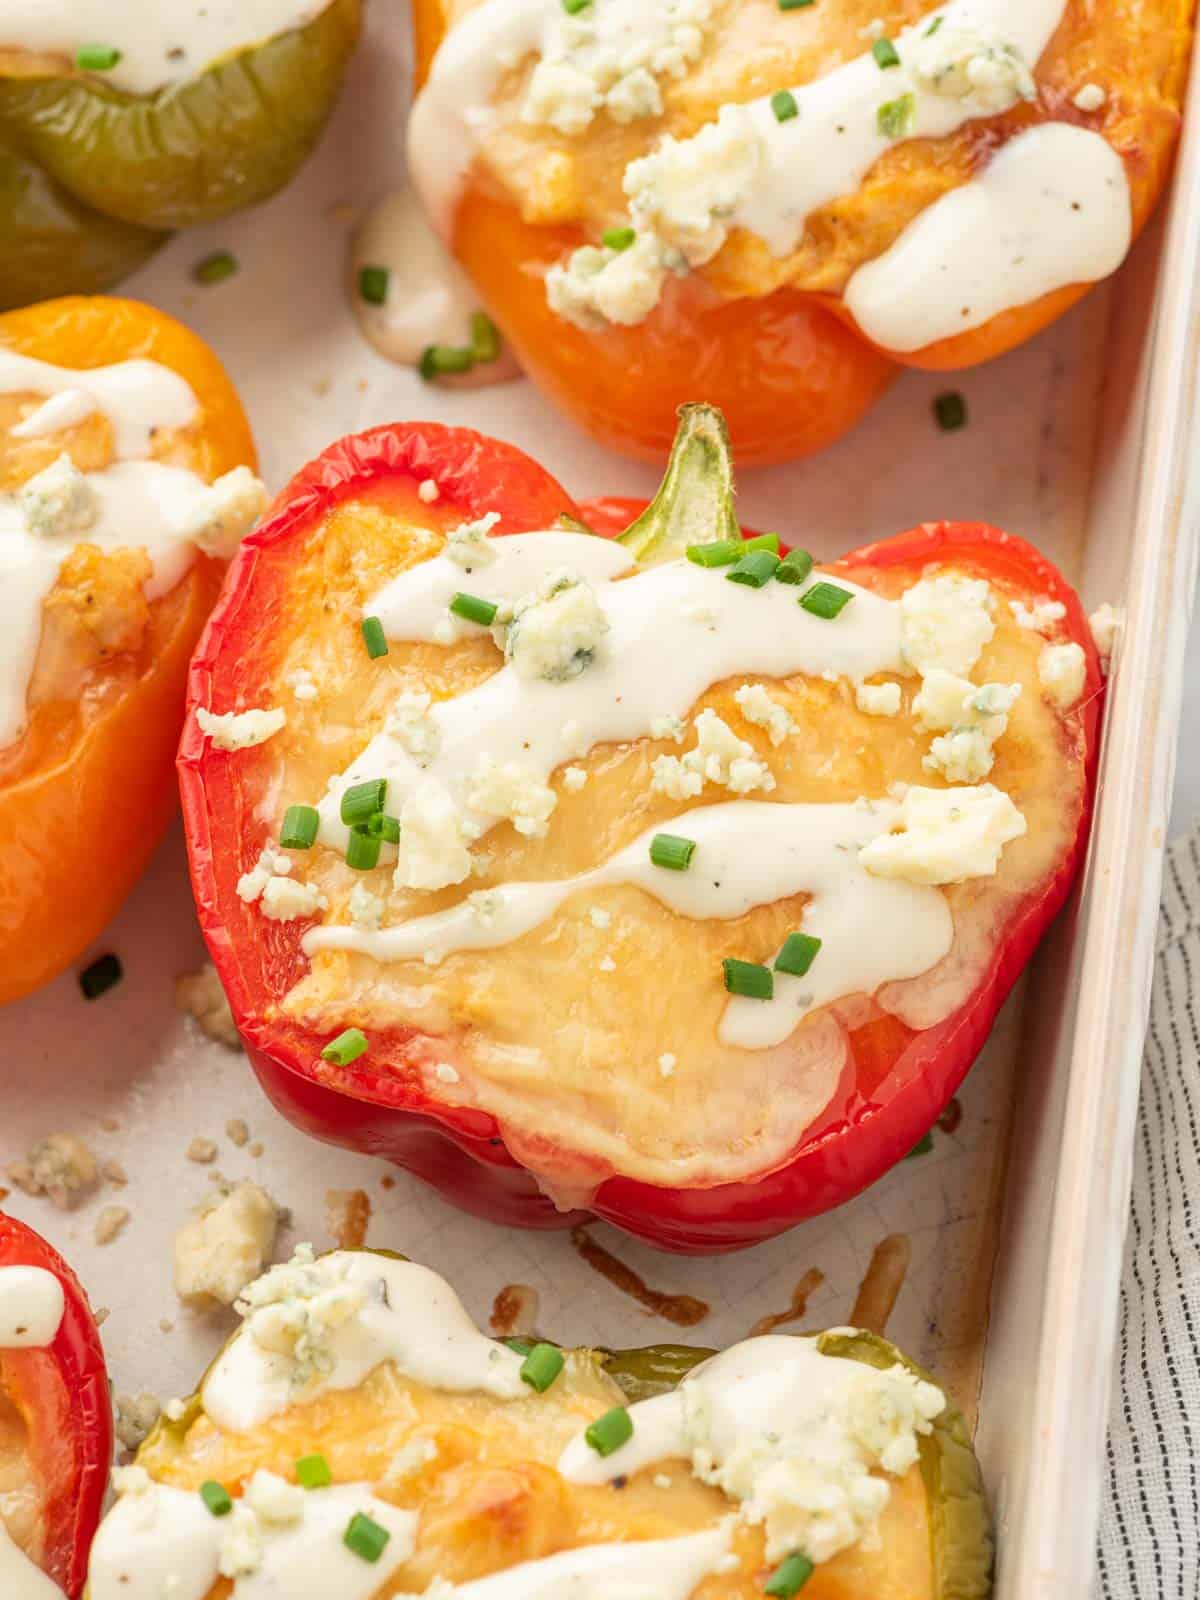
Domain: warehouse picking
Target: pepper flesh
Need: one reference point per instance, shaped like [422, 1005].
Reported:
[904, 1078]
[57, 782]
[61, 1395]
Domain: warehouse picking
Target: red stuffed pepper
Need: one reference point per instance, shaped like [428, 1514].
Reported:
[665, 876]
[56, 1435]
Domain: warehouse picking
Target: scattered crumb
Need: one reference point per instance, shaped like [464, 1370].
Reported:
[322, 387]
[100, 1315]
[225, 1245]
[114, 1173]
[428, 491]
[202, 1151]
[347, 1216]
[387, 1181]
[110, 1125]
[257, 1148]
[175, 1410]
[134, 1415]
[110, 1222]
[343, 213]
[237, 1132]
[60, 1167]
[200, 995]
[4, 1194]
[165, 1325]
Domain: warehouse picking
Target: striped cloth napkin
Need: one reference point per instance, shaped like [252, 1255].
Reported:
[1149, 1542]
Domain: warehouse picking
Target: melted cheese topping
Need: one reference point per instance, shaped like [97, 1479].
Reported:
[543, 963]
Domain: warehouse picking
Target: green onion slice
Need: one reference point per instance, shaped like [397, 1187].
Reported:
[96, 58]
[313, 1472]
[299, 831]
[365, 1537]
[789, 1577]
[761, 541]
[100, 976]
[794, 5]
[885, 53]
[618, 238]
[672, 851]
[950, 409]
[373, 285]
[720, 553]
[347, 1047]
[755, 570]
[215, 268]
[794, 567]
[362, 848]
[896, 119]
[542, 1365]
[749, 979]
[374, 637]
[922, 1147]
[798, 954]
[485, 338]
[217, 1498]
[384, 827]
[610, 1432]
[442, 360]
[474, 609]
[362, 800]
[783, 104]
[826, 600]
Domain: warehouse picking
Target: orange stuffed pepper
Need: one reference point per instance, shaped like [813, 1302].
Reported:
[126, 471]
[769, 204]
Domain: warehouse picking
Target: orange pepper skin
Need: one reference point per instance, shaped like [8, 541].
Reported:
[78, 827]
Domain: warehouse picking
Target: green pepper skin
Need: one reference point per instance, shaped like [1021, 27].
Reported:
[194, 152]
[51, 245]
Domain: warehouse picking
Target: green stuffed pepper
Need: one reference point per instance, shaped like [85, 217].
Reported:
[359, 1437]
[119, 123]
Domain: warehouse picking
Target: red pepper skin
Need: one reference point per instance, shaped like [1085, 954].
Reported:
[62, 1393]
[375, 1105]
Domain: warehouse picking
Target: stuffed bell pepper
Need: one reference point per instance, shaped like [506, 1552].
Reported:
[56, 1433]
[665, 875]
[359, 1437]
[771, 203]
[125, 480]
[119, 121]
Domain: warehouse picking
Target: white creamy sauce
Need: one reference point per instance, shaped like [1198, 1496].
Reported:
[798, 1438]
[31, 1307]
[1051, 208]
[160, 1541]
[137, 397]
[19, 1578]
[324, 1325]
[664, 1569]
[674, 630]
[748, 853]
[158, 44]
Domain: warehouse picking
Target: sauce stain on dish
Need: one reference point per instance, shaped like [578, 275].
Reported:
[684, 1310]
[801, 1294]
[415, 304]
[951, 1119]
[348, 1216]
[514, 1311]
[882, 1282]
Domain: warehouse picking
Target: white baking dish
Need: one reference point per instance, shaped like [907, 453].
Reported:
[1078, 441]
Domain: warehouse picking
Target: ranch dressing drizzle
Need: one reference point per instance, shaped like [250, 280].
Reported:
[748, 853]
[159, 1541]
[1050, 208]
[19, 1578]
[770, 1420]
[667, 1569]
[31, 1307]
[158, 44]
[674, 630]
[139, 503]
[352, 1311]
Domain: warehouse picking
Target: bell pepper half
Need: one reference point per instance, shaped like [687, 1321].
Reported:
[481, 1474]
[92, 176]
[303, 562]
[102, 757]
[787, 364]
[55, 1422]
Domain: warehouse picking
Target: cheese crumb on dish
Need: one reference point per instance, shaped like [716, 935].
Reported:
[945, 622]
[61, 1167]
[948, 835]
[757, 706]
[719, 757]
[878, 699]
[224, 1248]
[1105, 623]
[240, 730]
[58, 500]
[1040, 617]
[1062, 672]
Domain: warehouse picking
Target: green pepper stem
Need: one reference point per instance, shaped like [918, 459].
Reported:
[694, 504]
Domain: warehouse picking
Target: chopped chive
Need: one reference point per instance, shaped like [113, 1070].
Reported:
[609, 1432]
[618, 238]
[365, 1537]
[720, 553]
[362, 848]
[794, 5]
[885, 53]
[950, 409]
[754, 570]
[574, 7]
[789, 1577]
[362, 800]
[896, 119]
[749, 979]
[217, 1498]
[826, 600]
[783, 104]
[794, 567]
[373, 285]
[312, 1472]
[101, 975]
[440, 360]
[922, 1147]
[521, 1346]
[933, 27]
[347, 1047]
[96, 58]
[672, 851]
[542, 1365]
[485, 337]
[761, 541]
[384, 827]
[374, 637]
[798, 954]
[215, 268]
[474, 609]
[299, 831]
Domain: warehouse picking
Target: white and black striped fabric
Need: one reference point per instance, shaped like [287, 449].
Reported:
[1149, 1542]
